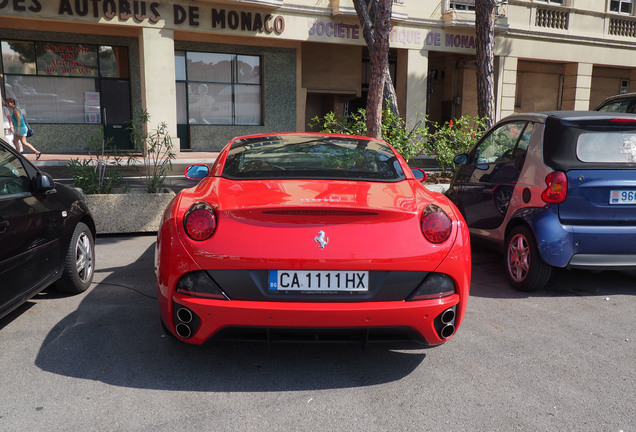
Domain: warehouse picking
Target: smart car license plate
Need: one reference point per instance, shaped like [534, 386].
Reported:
[304, 280]
[622, 197]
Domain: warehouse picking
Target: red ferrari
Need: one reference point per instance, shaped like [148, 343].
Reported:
[311, 237]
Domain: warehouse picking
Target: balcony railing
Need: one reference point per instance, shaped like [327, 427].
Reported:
[552, 18]
[622, 27]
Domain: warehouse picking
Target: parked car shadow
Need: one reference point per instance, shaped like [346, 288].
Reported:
[489, 280]
[115, 336]
[22, 309]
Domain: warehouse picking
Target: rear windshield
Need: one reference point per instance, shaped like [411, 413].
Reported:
[302, 157]
[612, 147]
[590, 141]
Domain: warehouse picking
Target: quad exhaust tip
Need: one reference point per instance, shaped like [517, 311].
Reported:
[186, 322]
[183, 330]
[447, 319]
[184, 315]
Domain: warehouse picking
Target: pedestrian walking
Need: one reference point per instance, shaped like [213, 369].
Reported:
[8, 124]
[20, 128]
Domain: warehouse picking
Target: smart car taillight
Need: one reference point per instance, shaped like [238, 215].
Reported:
[557, 188]
[200, 222]
[436, 225]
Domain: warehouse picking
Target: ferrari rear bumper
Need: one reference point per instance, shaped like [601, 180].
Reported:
[196, 320]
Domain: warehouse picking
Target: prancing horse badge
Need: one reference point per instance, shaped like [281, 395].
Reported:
[321, 239]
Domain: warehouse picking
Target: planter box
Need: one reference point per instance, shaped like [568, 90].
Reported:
[132, 212]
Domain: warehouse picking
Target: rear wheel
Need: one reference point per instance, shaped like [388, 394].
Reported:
[79, 265]
[525, 269]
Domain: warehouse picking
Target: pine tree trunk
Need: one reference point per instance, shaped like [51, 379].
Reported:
[367, 11]
[485, 43]
[379, 60]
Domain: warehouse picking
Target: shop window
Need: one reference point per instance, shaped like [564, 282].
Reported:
[621, 6]
[113, 62]
[218, 88]
[59, 82]
[18, 57]
[66, 60]
[52, 100]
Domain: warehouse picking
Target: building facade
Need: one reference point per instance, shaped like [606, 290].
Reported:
[212, 70]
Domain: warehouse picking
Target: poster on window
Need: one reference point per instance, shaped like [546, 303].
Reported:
[92, 109]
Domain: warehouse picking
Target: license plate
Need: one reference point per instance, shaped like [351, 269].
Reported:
[313, 280]
[622, 197]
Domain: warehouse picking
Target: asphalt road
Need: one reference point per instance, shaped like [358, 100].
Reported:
[562, 359]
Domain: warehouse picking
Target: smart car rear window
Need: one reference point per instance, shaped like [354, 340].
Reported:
[607, 147]
[298, 156]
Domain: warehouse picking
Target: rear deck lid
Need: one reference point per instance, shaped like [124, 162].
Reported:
[600, 197]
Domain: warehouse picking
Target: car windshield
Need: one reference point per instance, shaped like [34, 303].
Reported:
[306, 156]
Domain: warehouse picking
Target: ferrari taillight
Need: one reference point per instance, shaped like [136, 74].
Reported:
[200, 222]
[436, 285]
[436, 225]
[199, 284]
[557, 188]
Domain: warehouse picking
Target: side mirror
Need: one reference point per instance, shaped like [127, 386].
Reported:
[197, 172]
[419, 174]
[461, 159]
[44, 183]
[482, 164]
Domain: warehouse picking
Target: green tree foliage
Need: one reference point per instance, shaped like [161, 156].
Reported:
[409, 142]
[100, 173]
[443, 141]
[156, 152]
[454, 137]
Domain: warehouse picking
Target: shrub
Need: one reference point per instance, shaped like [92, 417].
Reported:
[408, 142]
[100, 173]
[156, 149]
[444, 143]
[454, 137]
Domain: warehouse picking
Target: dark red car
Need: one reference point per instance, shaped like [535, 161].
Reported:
[311, 237]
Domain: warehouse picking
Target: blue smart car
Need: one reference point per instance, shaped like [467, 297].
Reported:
[553, 189]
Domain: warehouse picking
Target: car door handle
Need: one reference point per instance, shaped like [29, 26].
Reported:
[3, 226]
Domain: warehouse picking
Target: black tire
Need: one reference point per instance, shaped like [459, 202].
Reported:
[525, 269]
[79, 265]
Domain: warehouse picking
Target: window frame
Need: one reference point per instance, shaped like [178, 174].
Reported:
[620, 4]
[234, 84]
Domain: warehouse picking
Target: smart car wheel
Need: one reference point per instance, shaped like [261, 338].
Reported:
[525, 269]
[79, 263]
